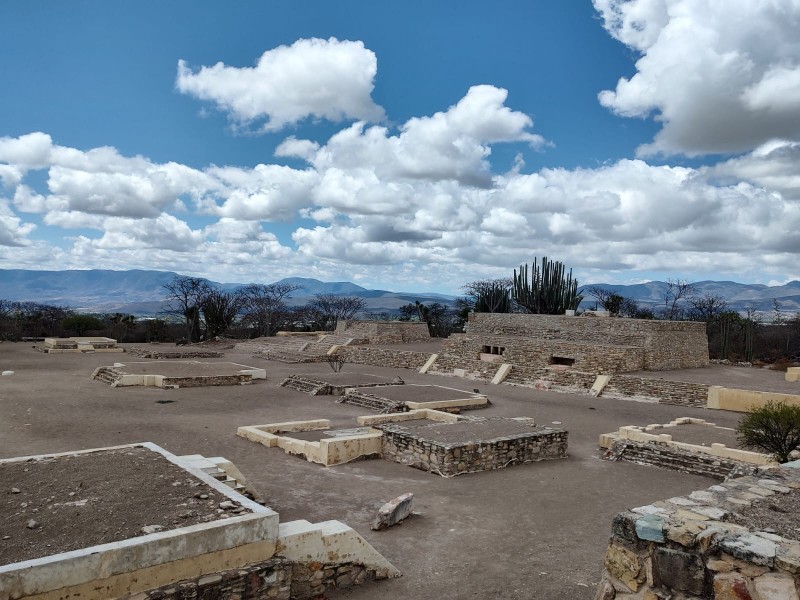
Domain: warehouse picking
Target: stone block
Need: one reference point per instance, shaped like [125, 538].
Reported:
[393, 512]
[732, 586]
[625, 565]
[788, 557]
[750, 548]
[680, 571]
[776, 586]
[650, 528]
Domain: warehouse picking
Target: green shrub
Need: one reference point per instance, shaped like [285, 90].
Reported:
[773, 428]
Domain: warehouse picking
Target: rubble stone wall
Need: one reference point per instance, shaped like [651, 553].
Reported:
[185, 382]
[381, 357]
[674, 459]
[702, 547]
[470, 457]
[276, 579]
[664, 391]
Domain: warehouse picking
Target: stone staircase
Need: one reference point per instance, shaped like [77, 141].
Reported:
[311, 387]
[109, 375]
[372, 402]
[222, 470]
[324, 344]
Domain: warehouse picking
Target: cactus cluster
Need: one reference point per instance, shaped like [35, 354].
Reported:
[549, 290]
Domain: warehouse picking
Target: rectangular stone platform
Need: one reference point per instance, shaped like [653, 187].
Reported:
[177, 374]
[469, 446]
[79, 344]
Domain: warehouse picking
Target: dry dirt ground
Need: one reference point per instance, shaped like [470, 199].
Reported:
[530, 531]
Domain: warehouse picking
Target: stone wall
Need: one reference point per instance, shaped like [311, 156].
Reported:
[384, 332]
[449, 460]
[589, 357]
[276, 579]
[186, 382]
[665, 344]
[662, 390]
[381, 357]
[166, 354]
[675, 459]
[706, 545]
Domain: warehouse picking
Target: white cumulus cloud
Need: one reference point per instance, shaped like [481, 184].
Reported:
[325, 79]
[721, 77]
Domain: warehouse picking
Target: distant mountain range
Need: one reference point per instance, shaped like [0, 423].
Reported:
[141, 292]
[739, 296]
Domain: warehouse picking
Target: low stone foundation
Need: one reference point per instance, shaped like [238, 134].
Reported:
[424, 447]
[703, 546]
[168, 354]
[277, 579]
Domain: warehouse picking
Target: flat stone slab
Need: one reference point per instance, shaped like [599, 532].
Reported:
[393, 512]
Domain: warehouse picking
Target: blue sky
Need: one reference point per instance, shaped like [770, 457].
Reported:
[402, 146]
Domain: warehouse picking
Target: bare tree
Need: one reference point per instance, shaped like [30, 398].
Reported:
[677, 292]
[219, 311]
[185, 295]
[707, 307]
[330, 308]
[264, 304]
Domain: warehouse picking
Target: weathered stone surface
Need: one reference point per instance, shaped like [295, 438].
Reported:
[776, 587]
[750, 548]
[651, 528]
[393, 512]
[731, 586]
[623, 528]
[680, 570]
[788, 557]
[625, 565]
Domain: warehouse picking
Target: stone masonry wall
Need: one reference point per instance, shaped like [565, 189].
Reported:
[167, 354]
[674, 459]
[666, 344]
[470, 457]
[185, 382]
[705, 545]
[384, 332]
[592, 358]
[398, 359]
[275, 579]
[664, 391]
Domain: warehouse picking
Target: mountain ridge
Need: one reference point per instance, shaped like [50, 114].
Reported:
[141, 291]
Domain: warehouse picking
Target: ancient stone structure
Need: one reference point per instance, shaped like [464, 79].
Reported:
[173, 354]
[704, 546]
[655, 445]
[450, 449]
[248, 555]
[79, 344]
[383, 332]
[588, 344]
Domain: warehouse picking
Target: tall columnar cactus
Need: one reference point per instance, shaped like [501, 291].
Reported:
[547, 291]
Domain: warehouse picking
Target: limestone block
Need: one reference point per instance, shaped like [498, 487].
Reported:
[788, 557]
[776, 587]
[680, 571]
[750, 548]
[732, 586]
[625, 565]
[393, 512]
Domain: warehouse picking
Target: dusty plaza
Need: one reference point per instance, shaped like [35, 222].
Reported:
[535, 530]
